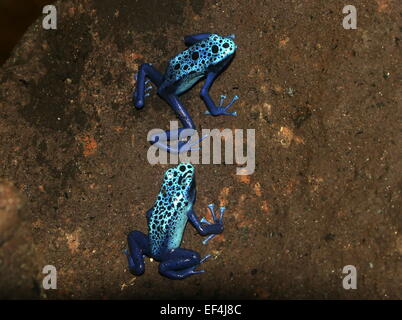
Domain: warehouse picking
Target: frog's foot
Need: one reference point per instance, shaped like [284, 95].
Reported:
[178, 146]
[222, 110]
[219, 220]
[191, 270]
[146, 73]
[148, 89]
[137, 248]
[138, 98]
[181, 263]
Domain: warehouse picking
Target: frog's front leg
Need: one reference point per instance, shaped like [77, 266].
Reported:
[213, 109]
[138, 245]
[185, 119]
[145, 70]
[204, 227]
[180, 263]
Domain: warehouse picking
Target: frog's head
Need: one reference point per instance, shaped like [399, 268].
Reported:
[221, 48]
[178, 186]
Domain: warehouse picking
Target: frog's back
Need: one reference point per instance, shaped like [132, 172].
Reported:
[168, 220]
[192, 64]
[166, 229]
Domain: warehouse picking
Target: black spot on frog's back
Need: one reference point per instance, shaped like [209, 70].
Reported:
[195, 55]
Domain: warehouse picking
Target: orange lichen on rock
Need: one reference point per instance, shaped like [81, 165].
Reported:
[383, 5]
[244, 178]
[224, 196]
[89, 144]
[220, 237]
[73, 240]
[283, 42]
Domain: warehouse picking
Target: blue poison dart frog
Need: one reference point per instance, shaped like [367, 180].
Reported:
[167, 220]
[206, 57]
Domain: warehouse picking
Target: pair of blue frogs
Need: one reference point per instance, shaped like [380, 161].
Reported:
[206, 56]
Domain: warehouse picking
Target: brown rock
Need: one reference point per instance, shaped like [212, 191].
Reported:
[10, 203]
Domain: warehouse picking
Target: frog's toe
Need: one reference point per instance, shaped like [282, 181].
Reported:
[223, 110]
[191, 271]
[210, 237]
[204, 220]
[211, 208]
[185, 146]
[197, 272]
[222, 211]
[205, 258]
[231, 103]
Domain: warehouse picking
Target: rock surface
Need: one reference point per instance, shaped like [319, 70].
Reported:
[10, 203]
[325, 103]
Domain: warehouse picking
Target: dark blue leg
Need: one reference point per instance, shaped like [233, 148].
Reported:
[145, 70]
[138, 245]
[204, 227]
[211, 208]
[187, 131]
[213, 109]
[194, 38]
[180, 263]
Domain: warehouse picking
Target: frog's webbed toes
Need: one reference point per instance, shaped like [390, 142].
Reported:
[223, 110]
[211, 208]
[216, 220]
[139, 96]
[192, 270]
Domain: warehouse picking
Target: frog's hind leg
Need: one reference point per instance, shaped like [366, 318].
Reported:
[145, 70]
[138, 245]
[180, 263]
[188, 125]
